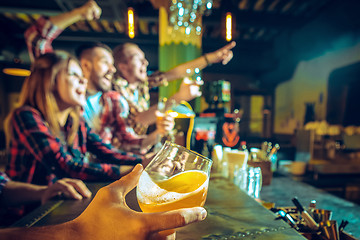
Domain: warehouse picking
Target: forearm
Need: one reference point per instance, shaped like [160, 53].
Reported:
[29, 193]
[66, 19]
[107, 153]
[223, 55]
[180, 71]
[64, 231]
[147, 117]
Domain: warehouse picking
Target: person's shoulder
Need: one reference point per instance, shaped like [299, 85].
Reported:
[27, 117]
[27, 111]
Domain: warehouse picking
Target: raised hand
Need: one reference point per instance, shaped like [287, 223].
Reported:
[164, 123]
[90, 11]
[188, 90]
[223, 55]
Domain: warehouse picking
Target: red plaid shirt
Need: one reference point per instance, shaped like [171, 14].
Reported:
[37, 156]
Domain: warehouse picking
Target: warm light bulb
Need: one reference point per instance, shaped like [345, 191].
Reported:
[16, 72]
[228, 26]
[131, 23]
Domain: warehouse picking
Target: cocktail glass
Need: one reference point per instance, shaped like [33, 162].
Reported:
[176, 178]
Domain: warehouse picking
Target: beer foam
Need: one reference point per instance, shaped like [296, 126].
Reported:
[148, 192]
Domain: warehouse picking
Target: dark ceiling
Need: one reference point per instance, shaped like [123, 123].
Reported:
[264, 30]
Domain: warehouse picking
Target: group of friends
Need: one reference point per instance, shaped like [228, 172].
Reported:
[86, 118]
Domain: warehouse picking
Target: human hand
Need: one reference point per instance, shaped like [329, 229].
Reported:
[108, 216]
[90, 11]
[223, 54]
[188, 90]
[70, 188]
[164, 123]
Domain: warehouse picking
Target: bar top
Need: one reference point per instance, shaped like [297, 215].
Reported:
[232, 214]
[284, 187]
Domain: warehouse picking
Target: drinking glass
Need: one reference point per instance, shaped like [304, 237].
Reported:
[175, 178]
[235, 159]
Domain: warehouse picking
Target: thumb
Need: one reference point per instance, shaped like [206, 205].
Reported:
[127, 182]
[174, 219]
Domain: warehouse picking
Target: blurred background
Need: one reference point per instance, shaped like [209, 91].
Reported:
[296, 62]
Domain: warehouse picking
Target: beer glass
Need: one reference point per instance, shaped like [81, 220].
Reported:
[175, 178]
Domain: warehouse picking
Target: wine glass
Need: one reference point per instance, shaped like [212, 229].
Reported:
[175, 178]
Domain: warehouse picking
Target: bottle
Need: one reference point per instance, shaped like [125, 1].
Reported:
[273, 157]
[312, 208]
[310, 222]
[312, 205]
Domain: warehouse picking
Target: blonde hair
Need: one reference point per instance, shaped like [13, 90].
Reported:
[39, 90]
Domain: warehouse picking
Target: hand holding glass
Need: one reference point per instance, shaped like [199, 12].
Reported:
[176, 178]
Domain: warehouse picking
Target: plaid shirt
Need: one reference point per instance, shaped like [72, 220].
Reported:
[111, 121]
[139, 98]
[112, 127]
[39, 37]
[3, 180]
[37, 156]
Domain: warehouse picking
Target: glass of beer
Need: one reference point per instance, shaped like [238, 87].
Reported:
[235, 159]
[175, 178]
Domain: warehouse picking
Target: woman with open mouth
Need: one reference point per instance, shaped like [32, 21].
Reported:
[47, 137]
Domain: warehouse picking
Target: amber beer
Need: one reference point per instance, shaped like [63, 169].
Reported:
[183, 190]
[235, 158]
[175, 178]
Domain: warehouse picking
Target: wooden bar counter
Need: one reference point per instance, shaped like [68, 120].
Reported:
[232, 214]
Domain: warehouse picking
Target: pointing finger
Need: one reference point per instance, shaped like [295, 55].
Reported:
[228, 46]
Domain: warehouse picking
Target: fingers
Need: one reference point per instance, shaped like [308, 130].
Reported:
[228, 46]
[61, 187]
[79, 186]
[195, 91]
[68, 190]
[91, 10]
[228, 57]
[164, 122]
[225, 53]
[127, 182]
[96, 10]
[188, 81]
[174, 219]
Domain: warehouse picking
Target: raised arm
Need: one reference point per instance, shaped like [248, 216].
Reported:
[89, 11]
[223, 55]
[39, 37]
